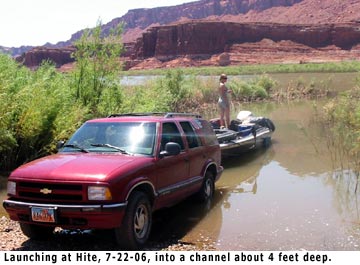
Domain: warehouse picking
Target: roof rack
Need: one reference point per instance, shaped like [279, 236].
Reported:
[164, 114]
[177, 114]
[137, 114]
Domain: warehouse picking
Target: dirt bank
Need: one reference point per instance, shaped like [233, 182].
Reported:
[13, 239]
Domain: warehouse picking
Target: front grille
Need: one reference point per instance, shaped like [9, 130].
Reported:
[44, 192]
[60, 197]
[50, 186]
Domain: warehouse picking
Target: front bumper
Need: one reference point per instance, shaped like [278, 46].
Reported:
[95, 216]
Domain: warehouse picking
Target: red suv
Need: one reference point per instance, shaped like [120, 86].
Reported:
[113, 173]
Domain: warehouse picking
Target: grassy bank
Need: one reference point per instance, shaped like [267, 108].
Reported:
[328, 67]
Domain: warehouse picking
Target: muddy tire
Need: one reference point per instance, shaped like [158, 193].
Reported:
[136, 225]
[206, 193]
[36, 232]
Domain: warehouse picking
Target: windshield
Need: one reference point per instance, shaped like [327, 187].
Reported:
[124, 137]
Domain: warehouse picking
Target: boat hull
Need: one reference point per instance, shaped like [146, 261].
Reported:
[245, 133]
[242, 144]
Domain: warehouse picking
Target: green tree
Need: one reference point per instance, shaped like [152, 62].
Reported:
[97, 67]
[174, 83]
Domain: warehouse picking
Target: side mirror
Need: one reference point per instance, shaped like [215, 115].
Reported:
[171, 149]
[60, 144]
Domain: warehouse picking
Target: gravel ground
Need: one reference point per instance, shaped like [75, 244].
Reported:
[13, 239]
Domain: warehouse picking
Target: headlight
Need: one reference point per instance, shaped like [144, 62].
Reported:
[96, 193]
[11, 187]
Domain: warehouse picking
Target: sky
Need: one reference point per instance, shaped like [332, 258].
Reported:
[36, 22]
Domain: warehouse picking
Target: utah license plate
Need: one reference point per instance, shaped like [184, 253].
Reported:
[45, 215]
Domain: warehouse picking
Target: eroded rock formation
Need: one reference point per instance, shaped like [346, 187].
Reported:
[58, 56]
[206, 37]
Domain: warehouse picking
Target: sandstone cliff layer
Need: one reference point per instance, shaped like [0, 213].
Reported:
[192, 32]
[137, 20]
[217, 37]
[201, 40]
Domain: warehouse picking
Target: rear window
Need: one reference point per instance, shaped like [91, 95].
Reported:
[191, 137]
[207, 132]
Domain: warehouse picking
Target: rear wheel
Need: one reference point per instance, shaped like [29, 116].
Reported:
[208, 187]
[36, 232]
[136, 225]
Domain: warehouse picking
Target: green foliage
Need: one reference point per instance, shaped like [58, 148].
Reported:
[300, 89]
[36, 111]
[257, 88]
[95, 79]
[206, 90]
[341, 117]
[180, 93]
[173, 82]
[152, 97]
[43, 106]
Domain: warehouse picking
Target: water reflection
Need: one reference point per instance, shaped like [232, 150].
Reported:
[242, 171]
[190, 222]
[346, 194]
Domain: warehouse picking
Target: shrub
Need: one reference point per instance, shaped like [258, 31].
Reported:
[96, 75]
[37, 110]
[341, 118]
[257, 88]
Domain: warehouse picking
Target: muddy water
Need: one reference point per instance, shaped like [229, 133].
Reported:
[290, 196]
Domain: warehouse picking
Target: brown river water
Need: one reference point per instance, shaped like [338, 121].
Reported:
[290, 196]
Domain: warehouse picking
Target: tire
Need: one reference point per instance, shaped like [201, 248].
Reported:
[136, 225]
[270, 125]
[36, 232]
[206, 193]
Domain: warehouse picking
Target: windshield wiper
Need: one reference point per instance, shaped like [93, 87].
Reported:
[123, 151]
[76, 147]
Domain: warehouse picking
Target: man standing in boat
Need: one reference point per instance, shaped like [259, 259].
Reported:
[224, 102]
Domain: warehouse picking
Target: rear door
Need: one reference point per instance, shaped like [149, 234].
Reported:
[197, 157]
[172, 172]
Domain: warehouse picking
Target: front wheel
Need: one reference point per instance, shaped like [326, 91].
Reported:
[136, 225]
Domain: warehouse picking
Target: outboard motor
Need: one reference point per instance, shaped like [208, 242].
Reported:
[244, 115]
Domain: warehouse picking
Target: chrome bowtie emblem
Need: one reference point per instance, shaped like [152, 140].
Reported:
[46, 191]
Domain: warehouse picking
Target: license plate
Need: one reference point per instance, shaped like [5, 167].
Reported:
[45, 215]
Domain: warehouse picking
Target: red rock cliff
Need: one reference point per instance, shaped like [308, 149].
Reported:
[143, 18]
[58, 56]
[216, 37]
[192, 28]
